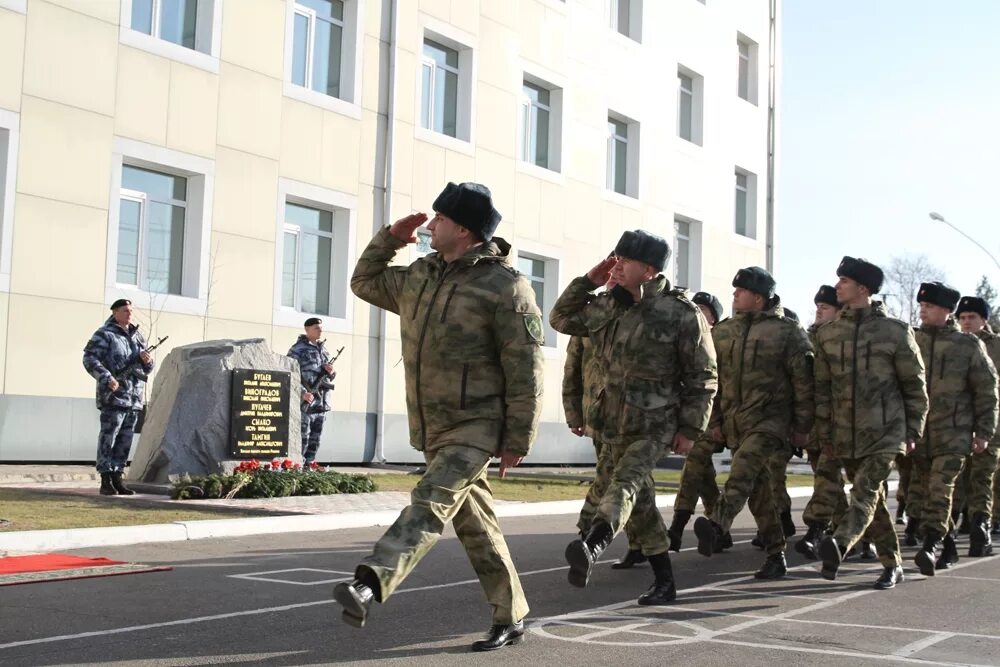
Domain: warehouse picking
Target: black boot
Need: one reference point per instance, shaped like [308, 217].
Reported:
[757, 541]
[963, 527]
[910, 534]
[787, 524]
[663, 590]
[891, 575]
[901, 513]
[775, 567]
[582, 554]
[676, 530]
[807, 545]
[832, 555]
[709, 535]
[356, 597]
[631, 557]
[949, 553]
[928, 554]
[500, 636]
[979, 536]
[867, 551]
[116, 481]
[725, 542]
[107, 487]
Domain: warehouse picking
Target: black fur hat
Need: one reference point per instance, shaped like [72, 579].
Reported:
[973, 304]
[939, 294]
[644, 247]
[827, 294]
[710, 302]
[862, 271]
[471, 206]
[756, 280]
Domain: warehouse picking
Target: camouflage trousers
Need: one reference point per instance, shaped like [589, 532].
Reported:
[867, 512]
[115, 439]
[974, 489]
[454, 489]
[904, 464]
[698, 478]
[750, 480]
[828, 498]
[312, 431]
[602, 478]
[625, 502]
[932, 484]
[778, 468]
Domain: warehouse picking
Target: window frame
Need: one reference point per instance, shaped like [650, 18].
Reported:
[428, 96]
[631, 156]
[551, 284]
[634, 29]
[466, 45]
[142, 256]
[297, 231]
[752, 62]
[555, 130]
[693, 238]
[750, 203]
[697, 97]
[208, 36]
[9, 137]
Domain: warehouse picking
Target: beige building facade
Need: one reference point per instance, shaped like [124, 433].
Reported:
[223, 162]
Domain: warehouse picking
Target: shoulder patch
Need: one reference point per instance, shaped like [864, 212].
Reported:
[533, 325]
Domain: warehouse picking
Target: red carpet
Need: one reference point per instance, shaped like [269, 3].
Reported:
[58, 567]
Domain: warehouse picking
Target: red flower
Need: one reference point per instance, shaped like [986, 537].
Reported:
[314, 466]
[287, 464]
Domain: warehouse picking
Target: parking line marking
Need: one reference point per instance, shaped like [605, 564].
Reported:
[921, 644]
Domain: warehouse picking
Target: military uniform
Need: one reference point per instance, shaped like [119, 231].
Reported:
[471, 340]
[312, 357]
[962, 387]
[108, 352]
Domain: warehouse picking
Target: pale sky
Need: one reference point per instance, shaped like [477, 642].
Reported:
[888, 110]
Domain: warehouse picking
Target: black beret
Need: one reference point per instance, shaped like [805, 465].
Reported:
[862, 271]
[471, 206]
[827, 294]
[973, 304]
[644, 247]
[756, 280]
[710, 302]
[312, 321]
[939, 294]
[119, 303]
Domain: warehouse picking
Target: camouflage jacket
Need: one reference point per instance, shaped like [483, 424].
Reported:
[962, 387]
[992, 342]
[657, 355]
[312, 357]
[765, 375]
[870, 393]
[471, 336]
[582, 379]
[108, 352]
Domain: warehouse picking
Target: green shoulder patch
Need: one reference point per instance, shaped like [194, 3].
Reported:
[533, 325]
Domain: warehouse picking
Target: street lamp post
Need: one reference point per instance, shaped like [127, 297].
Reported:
[934, 215]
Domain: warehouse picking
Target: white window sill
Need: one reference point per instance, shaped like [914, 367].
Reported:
[746, 240]
[162, 47]
[289, 317]
[167, 303]
[444, 141]
[750, 102]
[549, 175]
[623, 39]
[20, 6]
[689, 147]
[328, 102]
[618, 198]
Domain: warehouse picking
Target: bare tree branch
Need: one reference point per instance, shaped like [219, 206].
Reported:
[902, 281]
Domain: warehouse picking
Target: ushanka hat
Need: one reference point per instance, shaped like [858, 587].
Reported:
[710, 302]
[827, 294]
[939, 294]
[863, 272]
[973, 304]
[471, 206]
[644, 247]
[756, 280]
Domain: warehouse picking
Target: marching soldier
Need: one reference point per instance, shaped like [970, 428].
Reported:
[317, 374]
[471, 337]
[962, 388]
[766, 388]
[871, 404]
[116, 357]
[660, 380]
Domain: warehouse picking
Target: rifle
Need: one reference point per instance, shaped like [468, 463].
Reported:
[323, 383]
[129, 369]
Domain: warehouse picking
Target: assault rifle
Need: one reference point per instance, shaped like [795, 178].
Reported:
[323, 383]
[130, 369]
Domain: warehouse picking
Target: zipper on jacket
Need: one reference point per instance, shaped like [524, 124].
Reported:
[447, 302]
[941, 368]
[883, 409]
[753, 364]
[420, 294]
[465, 380]
[843, 356]
[420, 353]
[743, 356]
[854, 389]
[930, 377]
[954, 416]
[868, 355]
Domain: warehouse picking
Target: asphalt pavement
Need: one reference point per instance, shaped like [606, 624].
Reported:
[265, 599]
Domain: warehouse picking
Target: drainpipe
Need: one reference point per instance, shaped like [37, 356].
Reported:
[772, 47]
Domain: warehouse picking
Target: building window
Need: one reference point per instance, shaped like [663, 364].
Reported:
[187, 23]
[746, 203]
[307, 259]
[690, 93]
[542, 274]
[423, 244]
[9, 131]
[746, 86]
[439, 110]
[682, 253]
[541, 124]
[626, 18]
[623, 154]
[151, 220]
[317, 51]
